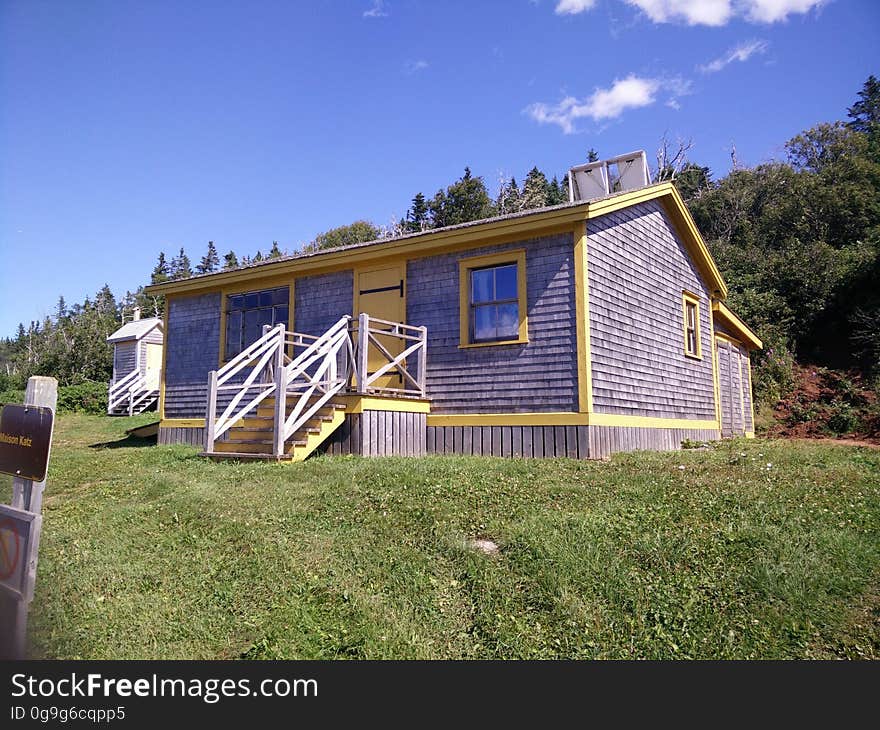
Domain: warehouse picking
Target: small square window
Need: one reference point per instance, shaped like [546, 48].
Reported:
[493, 301]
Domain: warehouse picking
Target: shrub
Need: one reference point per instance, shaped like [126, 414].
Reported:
[11, 395]
[85, 397]
[842, 417]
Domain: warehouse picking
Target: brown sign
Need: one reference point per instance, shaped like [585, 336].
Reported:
[25, 436]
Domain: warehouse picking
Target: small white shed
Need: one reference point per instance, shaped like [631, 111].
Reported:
[137, 364]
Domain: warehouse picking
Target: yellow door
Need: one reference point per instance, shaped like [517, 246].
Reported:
[154, 365]
[380, 292]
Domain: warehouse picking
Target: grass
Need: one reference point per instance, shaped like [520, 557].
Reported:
[152, 552]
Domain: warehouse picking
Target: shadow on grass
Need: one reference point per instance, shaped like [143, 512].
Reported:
[127, 443]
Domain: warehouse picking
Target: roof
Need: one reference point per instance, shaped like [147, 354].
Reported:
[427, 242]
[723, 313]
[135, 330]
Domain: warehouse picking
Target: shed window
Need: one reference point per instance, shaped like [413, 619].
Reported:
[691, 313]
[493, 299]
[247, 312]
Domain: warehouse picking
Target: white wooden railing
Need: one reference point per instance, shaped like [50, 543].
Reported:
[131, 391]
[317, 369]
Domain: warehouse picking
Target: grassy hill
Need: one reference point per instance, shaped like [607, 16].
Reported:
[752, 549]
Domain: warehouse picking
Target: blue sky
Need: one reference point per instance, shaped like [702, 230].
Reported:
[127, 128]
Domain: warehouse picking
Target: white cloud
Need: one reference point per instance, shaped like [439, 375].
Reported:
[412, 67]
[705, 12]
[573, 7]
[377, 11]
[632, 92]
[743, 52]
[772, 11]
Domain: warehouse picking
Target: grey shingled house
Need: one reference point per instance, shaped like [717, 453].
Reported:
[578, 330]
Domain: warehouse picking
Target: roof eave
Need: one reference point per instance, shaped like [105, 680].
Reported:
[734, 323]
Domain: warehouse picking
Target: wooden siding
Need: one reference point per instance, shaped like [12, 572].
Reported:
[123, 359]
[538, 376]
[746, 365]
[637, 269]
[154, 337]
[193, 341]
[733, 383]
[188, 436]
[319, 301]
[378, 433]
[573, 442]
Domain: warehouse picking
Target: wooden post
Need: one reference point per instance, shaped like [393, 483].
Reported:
[28, 495]
[363, 345]
[280, 396]
[211, 411]
[423, 360]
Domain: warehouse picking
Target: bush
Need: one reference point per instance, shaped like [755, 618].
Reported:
[773, 375]
[842, 417]
[11, 395]
[85, 397]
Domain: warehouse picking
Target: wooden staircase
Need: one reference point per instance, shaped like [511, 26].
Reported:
[251, 438]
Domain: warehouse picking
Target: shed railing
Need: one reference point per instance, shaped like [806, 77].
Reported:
[130, 391]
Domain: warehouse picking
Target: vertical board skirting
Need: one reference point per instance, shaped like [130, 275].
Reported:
[379, 433]
[175, 435]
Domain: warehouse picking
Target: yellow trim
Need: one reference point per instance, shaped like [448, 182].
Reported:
[740, 328]
[751, 394]
[359, 404]
[314, 440]
[566, 419]
[716, 383]
[466, 265]
[356, 294]
[691, 298]
[271, 282]
[182, 423]
[479, 233]
[161, 408]
[611, 419]
[728, 338]
[582, 306]
[750, 434]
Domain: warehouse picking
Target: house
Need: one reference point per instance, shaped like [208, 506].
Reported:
[137, 364]
[578, 330]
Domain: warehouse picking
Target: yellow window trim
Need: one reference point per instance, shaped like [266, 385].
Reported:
[691, 298]
[517, 256]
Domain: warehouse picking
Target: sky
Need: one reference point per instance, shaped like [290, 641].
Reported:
[129, 128]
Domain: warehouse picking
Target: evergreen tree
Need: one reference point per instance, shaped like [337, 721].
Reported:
[465, 200]
[230, 260]
[258, 256]
[274, 252]
[162, 271]
[417, 217]
[555, 193]
[60, 309]
[534, 194]
[592, 155]
[508, 198]
[180, 266]
[210, 261]
[865, 113]
[357, 232]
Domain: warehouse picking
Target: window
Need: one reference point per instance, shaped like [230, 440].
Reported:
[246, 313]
[691, 312]
[493, 301]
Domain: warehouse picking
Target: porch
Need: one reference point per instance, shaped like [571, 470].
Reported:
[285, 395]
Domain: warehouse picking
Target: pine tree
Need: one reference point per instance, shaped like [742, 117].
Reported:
[865, 113]
[258, 256]
[180, 266]
[230, 260]
[417, 217]
[592, 155]
[210, 261]
[60, 309]
[555, 193]
[274, 252]
[161, 272]
[508, 197]
[534, 194]
[465, 200]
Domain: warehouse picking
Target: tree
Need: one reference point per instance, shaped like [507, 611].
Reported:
[556, 194]
[417, 217]
[693, 180]
[508, 200]
[357, 232]
[671, 159]
[535, 188]
[230, 260]
[60, 309]
[465, 200]
[865, 113]
[162, 271]
[210, 261]
[592, 155]
[274, 252]
[180, 266]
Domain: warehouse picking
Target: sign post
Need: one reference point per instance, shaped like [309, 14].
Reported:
[25, 441]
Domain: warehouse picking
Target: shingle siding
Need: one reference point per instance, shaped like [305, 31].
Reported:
[319, 301]
[637, 269]
[123, 359]
[538, 376]
[193, 342]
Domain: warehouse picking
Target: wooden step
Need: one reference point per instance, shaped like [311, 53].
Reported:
[262, 446]
[241, 456]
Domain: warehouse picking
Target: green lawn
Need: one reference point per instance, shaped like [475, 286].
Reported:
[152, 552]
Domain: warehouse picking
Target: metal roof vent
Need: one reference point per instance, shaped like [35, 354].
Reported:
[604, 177]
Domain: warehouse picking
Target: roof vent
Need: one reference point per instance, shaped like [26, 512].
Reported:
[605, 177]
